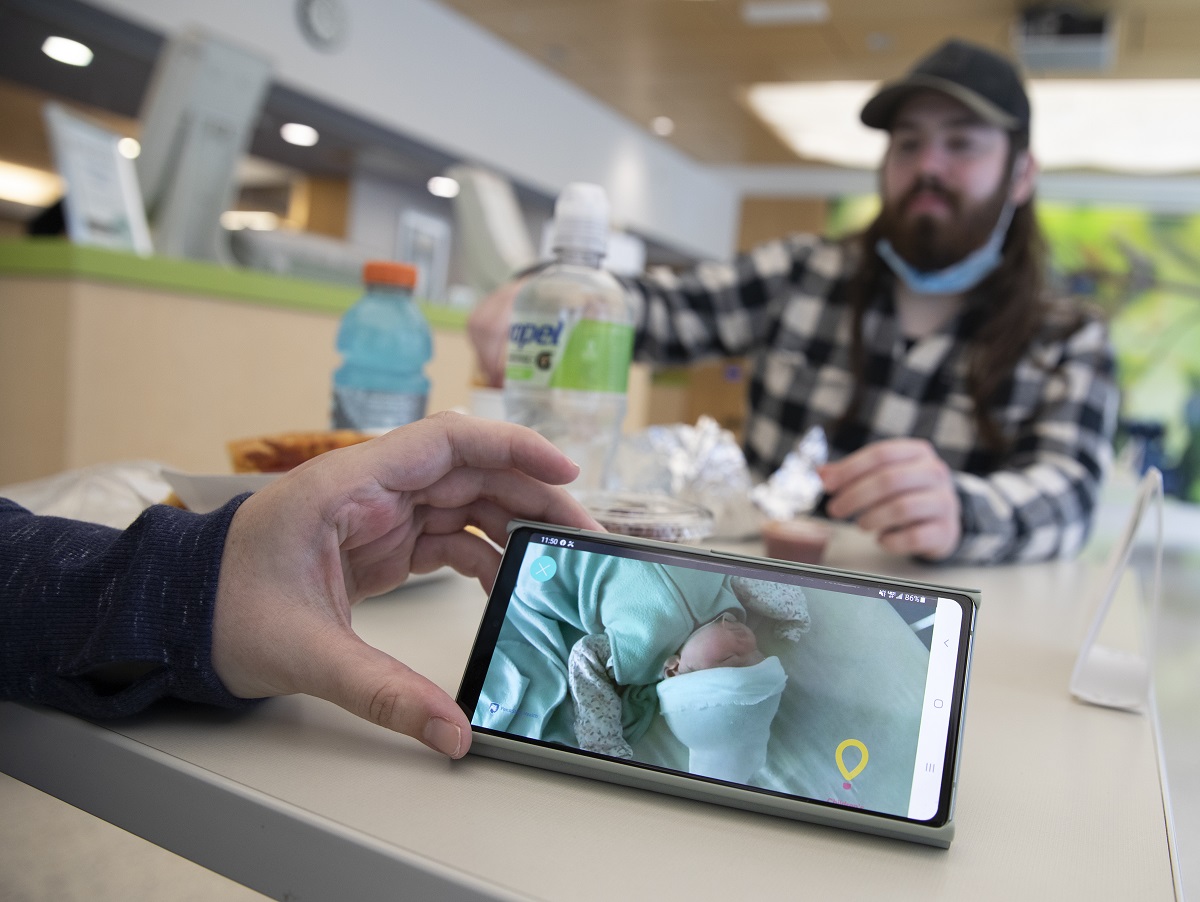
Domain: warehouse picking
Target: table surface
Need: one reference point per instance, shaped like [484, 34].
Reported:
[299, 799]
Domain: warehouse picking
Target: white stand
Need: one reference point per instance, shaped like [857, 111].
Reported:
[1109, 677]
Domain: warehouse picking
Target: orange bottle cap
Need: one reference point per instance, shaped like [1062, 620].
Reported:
[385, 272]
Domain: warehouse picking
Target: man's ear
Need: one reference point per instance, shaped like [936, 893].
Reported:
[1024, 178]
[671, 668]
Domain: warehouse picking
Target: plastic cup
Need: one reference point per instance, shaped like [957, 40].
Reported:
[802, 541]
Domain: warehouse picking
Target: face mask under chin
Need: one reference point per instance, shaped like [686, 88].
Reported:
[958, 277]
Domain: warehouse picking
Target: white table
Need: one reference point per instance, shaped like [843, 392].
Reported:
[301, 800]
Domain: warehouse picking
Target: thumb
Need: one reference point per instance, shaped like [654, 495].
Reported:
[377, 687]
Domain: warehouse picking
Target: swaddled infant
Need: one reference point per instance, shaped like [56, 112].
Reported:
[722, 645]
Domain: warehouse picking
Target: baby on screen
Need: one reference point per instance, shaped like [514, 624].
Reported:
[718, 692]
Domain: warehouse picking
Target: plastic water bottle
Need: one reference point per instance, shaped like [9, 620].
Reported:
[385, 345]
[571, 341]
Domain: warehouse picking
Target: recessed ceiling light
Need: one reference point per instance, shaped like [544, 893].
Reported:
[298, 134]
[442, 186]
[64, 50]
[662, 125]
[1131, 126]
[129, 148]
[785, 12]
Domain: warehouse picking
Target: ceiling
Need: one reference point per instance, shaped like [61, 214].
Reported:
[692, 60]
[112, 87]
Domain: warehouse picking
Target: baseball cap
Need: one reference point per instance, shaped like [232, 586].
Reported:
[985, 82]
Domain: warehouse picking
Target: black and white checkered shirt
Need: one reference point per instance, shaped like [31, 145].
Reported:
[781, 305]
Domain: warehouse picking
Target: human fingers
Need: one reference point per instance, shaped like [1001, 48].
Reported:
[933, 539]
[912, 507]
[869, 458]
[281, 627]
[916, 504]
[376, 569]
[377, 558]
[489, 499]
[467, 553]
[417, 455]
[386, 562]
[896, 495]
[878, 472]
[375, 686]
[487, 327]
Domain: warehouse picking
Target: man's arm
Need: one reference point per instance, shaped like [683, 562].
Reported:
[725, 309]
[255, 600]
[711, 310]
[101, 622]
[1041, 505]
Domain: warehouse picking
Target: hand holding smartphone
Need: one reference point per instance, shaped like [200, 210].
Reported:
[801, 691]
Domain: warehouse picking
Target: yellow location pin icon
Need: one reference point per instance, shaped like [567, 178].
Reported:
[839, 756]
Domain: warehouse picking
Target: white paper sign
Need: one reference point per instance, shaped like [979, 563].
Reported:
[103, 205]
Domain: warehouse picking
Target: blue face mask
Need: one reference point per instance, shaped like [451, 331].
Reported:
[958, 277]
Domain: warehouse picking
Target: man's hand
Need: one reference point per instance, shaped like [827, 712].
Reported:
[354, 523]
[902, 491]
[487, 328]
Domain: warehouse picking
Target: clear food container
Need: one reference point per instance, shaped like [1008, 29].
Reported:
[650, 516]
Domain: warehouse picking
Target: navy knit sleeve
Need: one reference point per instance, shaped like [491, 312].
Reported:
[78, 599]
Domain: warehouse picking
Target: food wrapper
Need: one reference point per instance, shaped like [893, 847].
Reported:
[702, 464]
[795, 488]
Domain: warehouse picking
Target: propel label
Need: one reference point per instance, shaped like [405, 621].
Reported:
[589, 355]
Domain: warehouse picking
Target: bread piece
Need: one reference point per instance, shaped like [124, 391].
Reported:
[280, 452]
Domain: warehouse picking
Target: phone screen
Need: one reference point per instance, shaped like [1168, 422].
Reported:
[837, 689]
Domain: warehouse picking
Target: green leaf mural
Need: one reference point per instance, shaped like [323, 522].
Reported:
[1143, 269]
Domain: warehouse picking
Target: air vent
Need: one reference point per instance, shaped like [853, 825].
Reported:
[1065, 39]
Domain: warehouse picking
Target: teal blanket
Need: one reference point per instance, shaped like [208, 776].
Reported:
[647, 610]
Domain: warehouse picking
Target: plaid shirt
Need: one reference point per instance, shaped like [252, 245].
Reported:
[782, 306]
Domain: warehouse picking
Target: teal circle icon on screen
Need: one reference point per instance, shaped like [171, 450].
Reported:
[543, 569]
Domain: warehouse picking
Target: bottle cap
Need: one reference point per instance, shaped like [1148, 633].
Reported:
[581, 219]
[386, 272]
[650, 516]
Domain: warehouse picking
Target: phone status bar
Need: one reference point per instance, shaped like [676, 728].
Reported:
[903, 596]
[585, 544]
[556, 540]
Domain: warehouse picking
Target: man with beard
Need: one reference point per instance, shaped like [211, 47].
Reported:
[969, 412]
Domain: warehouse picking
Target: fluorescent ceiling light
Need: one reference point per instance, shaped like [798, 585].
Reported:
[1148, 126]
[298, 134]
[819, 120]
[32, 187]
[255, 220]
[785, 12]
[64, 50]
[442, 186]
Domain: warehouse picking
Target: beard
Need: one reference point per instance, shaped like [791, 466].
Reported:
[930, 244]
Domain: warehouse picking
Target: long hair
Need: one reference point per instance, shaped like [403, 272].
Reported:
[1010, 304]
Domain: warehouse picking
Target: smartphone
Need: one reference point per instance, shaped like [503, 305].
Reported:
[808, 692]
